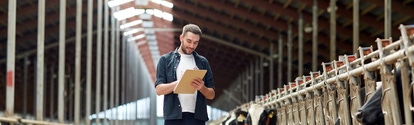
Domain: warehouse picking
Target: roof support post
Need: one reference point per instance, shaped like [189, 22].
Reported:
[261, 75]
[387, 18]
[40, 60]
[26, 63]
[315, 35]
[52, 92]
[251, 80]
[356, 26]
[279, 64]
[333, 29]
[89, 63]
[256, 76]
[62, 44]
[112, 69]
[123, 73]
[300, 46]
[289, 47]
[11, 53]
[105, 60]
[271, 62]
[98, 62]
[117, 45]
[78, 55]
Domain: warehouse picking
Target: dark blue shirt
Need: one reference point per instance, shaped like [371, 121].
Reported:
[166, 73]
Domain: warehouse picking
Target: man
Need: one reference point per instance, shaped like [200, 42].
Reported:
[184, 109]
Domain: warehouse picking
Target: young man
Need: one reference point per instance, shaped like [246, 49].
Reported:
[184, 109]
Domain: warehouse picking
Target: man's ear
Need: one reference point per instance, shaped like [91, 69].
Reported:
[181, 38]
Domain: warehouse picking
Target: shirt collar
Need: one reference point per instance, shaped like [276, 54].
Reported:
[177, 53]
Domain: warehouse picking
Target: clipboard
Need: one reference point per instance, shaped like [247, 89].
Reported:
[184, 85]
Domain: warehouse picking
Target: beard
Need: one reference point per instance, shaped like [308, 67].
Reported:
[183, 48]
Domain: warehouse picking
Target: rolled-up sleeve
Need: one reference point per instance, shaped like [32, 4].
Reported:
[161, 76]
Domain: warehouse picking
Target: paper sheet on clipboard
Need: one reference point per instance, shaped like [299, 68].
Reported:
[184, 85]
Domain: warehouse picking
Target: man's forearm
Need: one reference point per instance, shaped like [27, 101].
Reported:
[209, 93]
[163, 89]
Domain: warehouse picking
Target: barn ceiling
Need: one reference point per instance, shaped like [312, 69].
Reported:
[236, 33]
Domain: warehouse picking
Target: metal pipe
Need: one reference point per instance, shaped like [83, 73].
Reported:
[28, 121]
[251, 79]
[390, 59]
[98, 62]
[289, 48]
[271, 65]
[235, 99]
[387, 18]
[117, 45]
[47, 47]
[11, 53]
[44, 88]
[112, 68]
[261, 75]
[52, 92]
[78, 55]
[256, 76]
[105, 71]
[332, 7]
[315, 35]
[26, 63]
[279, 64]
[35, 87]
[123, 71]
[71, 97]
[89, 63]
[235, 46]
[40, 59]
[355, 26]
[61, 79]
[300, 48]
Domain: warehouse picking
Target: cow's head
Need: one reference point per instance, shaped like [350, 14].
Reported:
[371, 112]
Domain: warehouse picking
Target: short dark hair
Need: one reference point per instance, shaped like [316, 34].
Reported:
[192, 28]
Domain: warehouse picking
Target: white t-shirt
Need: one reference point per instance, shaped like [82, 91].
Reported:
[187, 101]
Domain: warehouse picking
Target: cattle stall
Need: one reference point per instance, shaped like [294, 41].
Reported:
[347, 86]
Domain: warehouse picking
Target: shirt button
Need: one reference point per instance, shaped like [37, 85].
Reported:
[179, 105]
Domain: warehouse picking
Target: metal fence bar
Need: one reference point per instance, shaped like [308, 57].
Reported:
[40, 59]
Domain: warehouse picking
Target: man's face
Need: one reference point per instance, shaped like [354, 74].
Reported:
[189, 42]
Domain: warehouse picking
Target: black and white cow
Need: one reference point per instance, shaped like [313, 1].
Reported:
[261, 116]
[371, 111]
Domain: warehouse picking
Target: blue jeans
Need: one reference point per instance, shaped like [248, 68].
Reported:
[187, 119]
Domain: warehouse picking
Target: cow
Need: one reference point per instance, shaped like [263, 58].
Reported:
[362, 92]
[237, 118]
[371, 111]
[260, 116]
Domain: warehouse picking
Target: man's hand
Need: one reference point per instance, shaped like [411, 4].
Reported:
[198, 83]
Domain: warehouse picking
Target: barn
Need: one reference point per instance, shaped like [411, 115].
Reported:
[265, 61]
